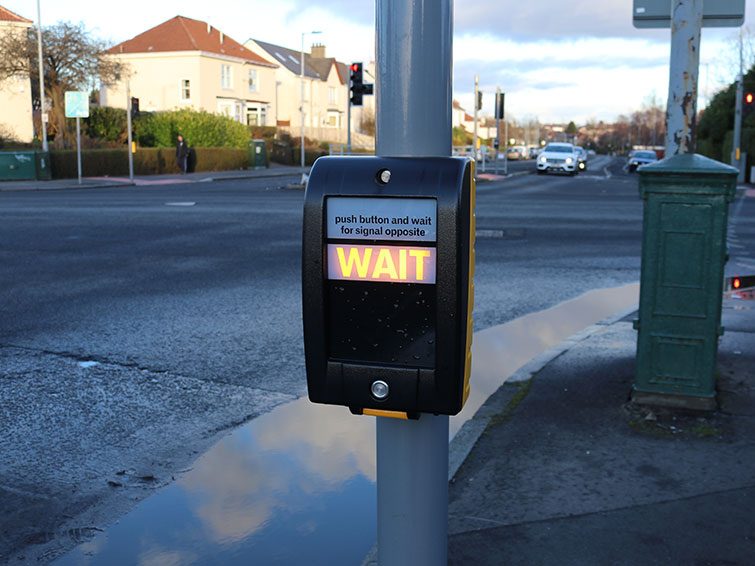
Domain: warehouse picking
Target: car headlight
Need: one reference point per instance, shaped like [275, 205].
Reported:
[542, 159]
[569, 161]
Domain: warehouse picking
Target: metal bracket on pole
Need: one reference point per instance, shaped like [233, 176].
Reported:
[414, 49]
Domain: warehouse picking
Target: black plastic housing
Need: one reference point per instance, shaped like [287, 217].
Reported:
[414, 337]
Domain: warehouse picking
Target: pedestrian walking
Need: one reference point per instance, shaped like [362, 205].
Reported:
[182, 154]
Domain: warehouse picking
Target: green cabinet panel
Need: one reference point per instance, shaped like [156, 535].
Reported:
[24, 165]
[681, 285]
[17, 166]
[257, 154]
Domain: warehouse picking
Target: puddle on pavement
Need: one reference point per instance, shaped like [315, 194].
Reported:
[297, 485]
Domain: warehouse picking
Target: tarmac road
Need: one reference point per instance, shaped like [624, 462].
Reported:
[140, 323]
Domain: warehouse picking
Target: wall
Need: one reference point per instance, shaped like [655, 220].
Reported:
[15, 94]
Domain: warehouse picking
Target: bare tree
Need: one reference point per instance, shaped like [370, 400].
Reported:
[73, 60]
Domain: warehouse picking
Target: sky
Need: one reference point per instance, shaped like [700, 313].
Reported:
[556, 61]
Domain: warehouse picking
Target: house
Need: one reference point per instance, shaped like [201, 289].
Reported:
[326, 90]
[186, 63]
[15, 93]
[458, 115]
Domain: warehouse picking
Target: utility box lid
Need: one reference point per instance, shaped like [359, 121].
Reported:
[688, 173]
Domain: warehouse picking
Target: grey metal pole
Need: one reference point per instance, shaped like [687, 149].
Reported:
[414, 49]
[348, 118]
[736, 146]
[301, 111]
[681, 112]
[476, 91]
[505, 146]
[498, 141]
[78, 146]
[128, 126]
[41, 80]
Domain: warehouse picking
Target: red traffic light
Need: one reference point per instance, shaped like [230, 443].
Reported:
[355, 67]
[748, 98]
[736, 283]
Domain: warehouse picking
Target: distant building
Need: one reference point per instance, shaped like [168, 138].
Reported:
[326, 91]
[186, 63]
[15, 93]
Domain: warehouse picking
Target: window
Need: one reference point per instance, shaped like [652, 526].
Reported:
[185, 89]
[331, 94]
[253, 86]
[226, 80]
[256, 115]
[333, 120]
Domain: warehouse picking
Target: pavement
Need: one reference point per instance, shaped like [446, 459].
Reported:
[275, 170]
[564, 469]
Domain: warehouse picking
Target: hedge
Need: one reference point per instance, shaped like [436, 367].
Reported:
[287, 154]
[147, 161]
[198, 127]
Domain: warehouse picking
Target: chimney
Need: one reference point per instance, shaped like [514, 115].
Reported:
[318, 51]
[209, 28]
[221, 37]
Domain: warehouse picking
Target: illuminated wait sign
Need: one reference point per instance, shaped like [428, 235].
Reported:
[390, 264]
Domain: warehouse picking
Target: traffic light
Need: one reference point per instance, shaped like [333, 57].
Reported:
[748, 104]
[134, 107]
[478, 102]
[499, 103]
[356, 88]
[741, 283]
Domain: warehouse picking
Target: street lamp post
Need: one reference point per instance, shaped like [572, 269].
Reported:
[41, 80]
[301, 108]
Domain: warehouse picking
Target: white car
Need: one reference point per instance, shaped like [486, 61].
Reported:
[561, 157]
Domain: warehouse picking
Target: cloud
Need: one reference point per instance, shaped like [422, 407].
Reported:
[524, 47]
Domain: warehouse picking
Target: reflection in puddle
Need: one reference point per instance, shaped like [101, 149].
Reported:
[297, 485]
[497, 352]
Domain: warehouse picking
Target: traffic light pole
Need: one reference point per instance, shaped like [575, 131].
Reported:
[129, 110]
[414, 49]
[40, 63]
[736, 151]
[348, 121]
[476, 95]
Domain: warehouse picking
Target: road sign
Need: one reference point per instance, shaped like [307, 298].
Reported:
[716, 13]
[387, 283]
[77, 104]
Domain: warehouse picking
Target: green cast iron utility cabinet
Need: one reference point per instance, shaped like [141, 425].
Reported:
[257, 154]
[25, 165]
[17, 166]
[683, 254]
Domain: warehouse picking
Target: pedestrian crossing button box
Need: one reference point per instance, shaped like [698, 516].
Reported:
[387, 283]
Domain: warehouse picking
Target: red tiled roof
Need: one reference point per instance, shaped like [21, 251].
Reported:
[185, 34]
[7, 16]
